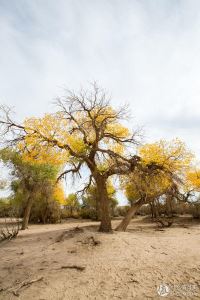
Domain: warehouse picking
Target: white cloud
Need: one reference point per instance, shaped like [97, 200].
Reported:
[144, 52]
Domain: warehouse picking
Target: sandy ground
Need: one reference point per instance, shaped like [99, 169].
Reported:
[67, 263]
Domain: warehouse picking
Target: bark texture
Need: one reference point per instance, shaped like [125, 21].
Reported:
[105, 225]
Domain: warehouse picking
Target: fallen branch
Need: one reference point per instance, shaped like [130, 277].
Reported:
[79, 268]
[25, 283]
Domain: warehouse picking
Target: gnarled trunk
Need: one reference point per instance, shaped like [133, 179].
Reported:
[104, 208]
[133, 209]
[27, 212]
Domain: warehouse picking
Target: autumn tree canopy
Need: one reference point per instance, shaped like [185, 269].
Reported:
[141, 187]
[84, 131]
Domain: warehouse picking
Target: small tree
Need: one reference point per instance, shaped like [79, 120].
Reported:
[30, 180]
[141, 187]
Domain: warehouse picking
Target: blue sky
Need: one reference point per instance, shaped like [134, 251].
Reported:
[143, 52]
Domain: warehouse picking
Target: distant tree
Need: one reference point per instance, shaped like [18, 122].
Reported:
[72, 202]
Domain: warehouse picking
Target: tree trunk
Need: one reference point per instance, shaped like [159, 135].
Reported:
[133, 209]
[27, 212]
[152, 210]
[104, 208]
[98, 217]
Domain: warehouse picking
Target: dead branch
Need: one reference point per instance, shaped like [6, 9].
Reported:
[74, 170]
[15, 291]
[26, 283]
[79, 268]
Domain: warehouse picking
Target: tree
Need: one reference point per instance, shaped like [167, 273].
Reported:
[175, 161]
[30, 180]
[85, 132]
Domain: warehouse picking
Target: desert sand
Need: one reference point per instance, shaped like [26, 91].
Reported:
[73, 261]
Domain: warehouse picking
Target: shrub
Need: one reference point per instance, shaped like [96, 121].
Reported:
[5, 208]
[88, 213]
[121, 210]
[67, 213]
[45, 211]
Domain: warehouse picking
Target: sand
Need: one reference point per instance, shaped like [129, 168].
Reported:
[55, 262]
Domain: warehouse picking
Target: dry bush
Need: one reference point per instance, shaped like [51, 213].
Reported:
[10, 223]
[9, 229]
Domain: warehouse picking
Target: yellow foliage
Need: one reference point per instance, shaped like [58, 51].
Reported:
[139, 185]
[193, 180]
[53, 138]
[59, 194]
[110, 188]
[117, 130]
[45, 140]
[173, 155]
